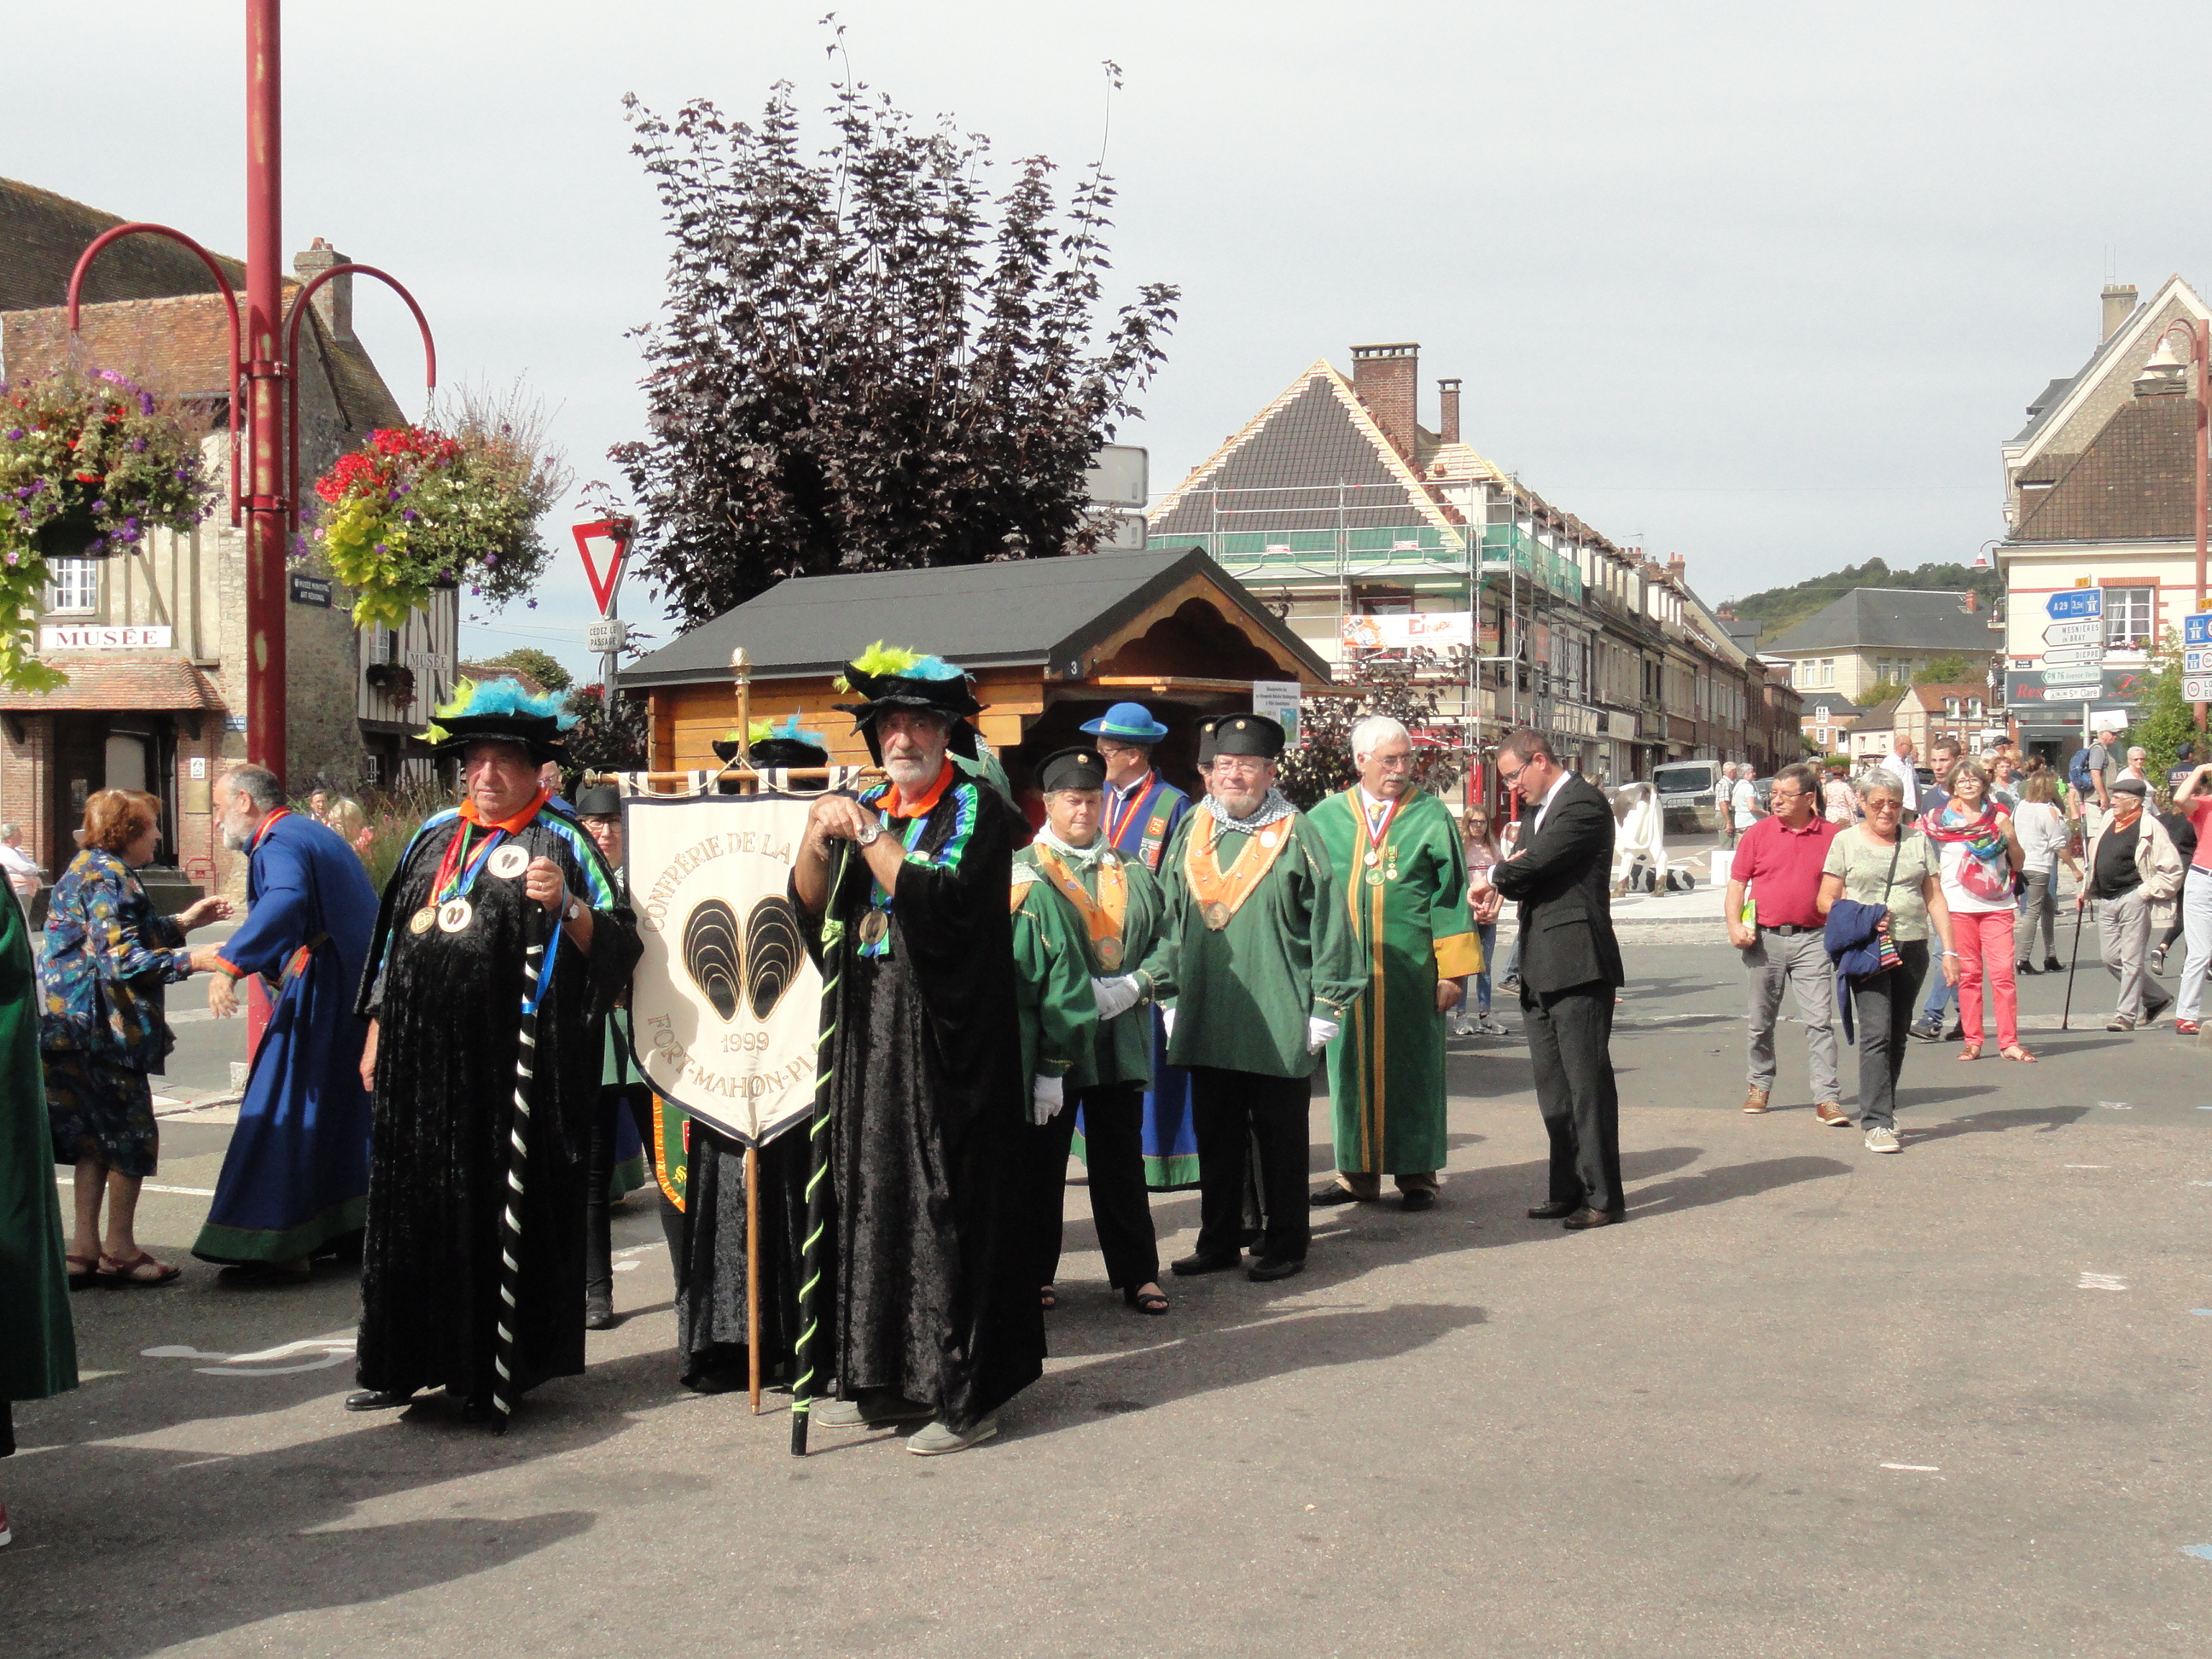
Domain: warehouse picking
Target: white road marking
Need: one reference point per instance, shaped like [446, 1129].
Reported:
[2101, 1282]
[149, 1187]
[330, 1350]
[1916, 1468]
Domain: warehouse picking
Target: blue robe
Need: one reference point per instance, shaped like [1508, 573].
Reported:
[296, 1174]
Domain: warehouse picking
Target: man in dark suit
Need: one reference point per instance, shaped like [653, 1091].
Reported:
[1559, 871]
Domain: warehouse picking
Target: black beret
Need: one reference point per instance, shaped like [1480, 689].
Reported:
[1239, 734]
[1079, 768]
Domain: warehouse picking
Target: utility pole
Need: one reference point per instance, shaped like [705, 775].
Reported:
[268, 492]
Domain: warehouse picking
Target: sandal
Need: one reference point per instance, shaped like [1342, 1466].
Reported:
[78, 1280]
[1048, 1298]
[2017, 1053]
[1971, 1051]
[1146, 1302]
[141, 1269]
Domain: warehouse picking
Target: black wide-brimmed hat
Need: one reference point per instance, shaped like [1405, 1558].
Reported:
[787, 747]
[1079, 768]
[502, 711]
[891, 677]
[1240, 734]
[598, 801]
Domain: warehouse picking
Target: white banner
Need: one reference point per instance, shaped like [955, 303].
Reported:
[724, 1002]
[1439, 631]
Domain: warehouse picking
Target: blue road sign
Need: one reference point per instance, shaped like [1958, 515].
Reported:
[2196, 629]
[2075, 604]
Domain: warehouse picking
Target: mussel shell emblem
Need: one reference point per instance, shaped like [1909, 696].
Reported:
[711, 953]
[773, 953]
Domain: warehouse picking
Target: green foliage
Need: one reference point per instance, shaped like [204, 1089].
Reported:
[392, 817]
[1776, 609]
[604, 738]
[541, 665]
[1881, 692]
[1950, 670]
[2163, 720]
[1321, 763]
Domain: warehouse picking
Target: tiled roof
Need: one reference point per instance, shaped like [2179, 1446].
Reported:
[2135, 482]
[130, 680]
[1291, 455]
[178, 346]
[1892, 618]
[41, 234]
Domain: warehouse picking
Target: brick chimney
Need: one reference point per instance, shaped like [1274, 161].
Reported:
[333, 300]
[1675, 565]
[1448, 410]
[1973, 602]
[2119, 300]
[1386, 379]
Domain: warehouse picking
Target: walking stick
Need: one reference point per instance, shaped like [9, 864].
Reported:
[536, 973]
[2080, 914]
[818, 1137]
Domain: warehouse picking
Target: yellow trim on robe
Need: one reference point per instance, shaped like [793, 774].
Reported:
[1459, 955]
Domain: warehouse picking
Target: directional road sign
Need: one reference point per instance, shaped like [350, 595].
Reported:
[2196, 629]
[2197, 688]
[2074, 604]
[2074, 633]
[2086, 675]
[2196, 659]
[2061, 654]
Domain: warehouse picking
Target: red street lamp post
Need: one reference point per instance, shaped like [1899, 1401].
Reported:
[263, 378]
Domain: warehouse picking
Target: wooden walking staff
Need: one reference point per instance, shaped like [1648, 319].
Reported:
[817, 1172]
[538, 953]
[741, 669]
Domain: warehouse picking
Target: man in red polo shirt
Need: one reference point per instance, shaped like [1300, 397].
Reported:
[1779, 859]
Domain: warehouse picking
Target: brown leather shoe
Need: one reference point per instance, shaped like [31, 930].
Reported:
[1754, 1101]
[1582, 1220]
[1551, 1210]
[1832, 1115]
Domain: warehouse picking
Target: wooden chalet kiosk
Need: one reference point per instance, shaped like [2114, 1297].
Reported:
[1051, 643]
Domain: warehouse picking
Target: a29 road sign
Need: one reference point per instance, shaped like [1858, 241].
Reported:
[2074, 604]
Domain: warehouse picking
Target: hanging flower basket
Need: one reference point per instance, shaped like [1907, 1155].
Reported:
[89, 462]
[416, 510]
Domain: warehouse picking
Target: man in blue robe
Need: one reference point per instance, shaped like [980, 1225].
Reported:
[294, 1180]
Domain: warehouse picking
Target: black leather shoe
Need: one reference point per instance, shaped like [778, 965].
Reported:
[599, 1314]
[376, 1400]
[1322, 1198]
[1583, 1220]
[1421, 1198]
[1553, 1210]
[2052, 965]
[2026, 968]
[1267, 1269]
[1190, 1266]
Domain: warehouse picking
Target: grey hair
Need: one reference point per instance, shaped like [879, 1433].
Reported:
[1880, 781]
[1374, 731]
[258, 784]
[9, 831]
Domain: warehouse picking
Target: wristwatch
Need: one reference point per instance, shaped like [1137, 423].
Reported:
[869, 836]
[575, 910]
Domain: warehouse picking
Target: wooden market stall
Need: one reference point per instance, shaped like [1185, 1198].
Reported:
[1051, 642]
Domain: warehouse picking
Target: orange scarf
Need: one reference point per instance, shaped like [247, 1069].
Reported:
[513, 826]
[1103, 917]
[1220, 893]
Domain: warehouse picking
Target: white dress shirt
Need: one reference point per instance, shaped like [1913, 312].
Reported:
[1901, 769]
[1544, 806]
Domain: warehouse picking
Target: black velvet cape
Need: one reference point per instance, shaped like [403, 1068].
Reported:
[449, 1007]
[929, 1270]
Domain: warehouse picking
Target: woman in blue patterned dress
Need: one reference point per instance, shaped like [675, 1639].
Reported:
[102, 1033]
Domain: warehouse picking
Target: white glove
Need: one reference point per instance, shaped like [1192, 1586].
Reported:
[1047, 1096]
[1116, 996]
[1320, 1033]
[1167, 1024]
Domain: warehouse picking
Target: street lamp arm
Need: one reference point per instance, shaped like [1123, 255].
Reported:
[229, 300]
[291, 355]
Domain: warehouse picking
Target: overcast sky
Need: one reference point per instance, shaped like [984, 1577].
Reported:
[1761, 287]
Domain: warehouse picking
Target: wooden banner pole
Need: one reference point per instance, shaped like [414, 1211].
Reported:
[753, 1276]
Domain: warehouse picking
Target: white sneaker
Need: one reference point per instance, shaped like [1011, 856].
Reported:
[1879, 1140]
[938, 1438]
[1489, 1026]
[1462, 1028]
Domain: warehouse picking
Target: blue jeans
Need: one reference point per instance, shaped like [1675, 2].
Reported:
[1487, 934]
[1940, 994]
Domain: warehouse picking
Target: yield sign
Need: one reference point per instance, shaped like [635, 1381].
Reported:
[610, 537]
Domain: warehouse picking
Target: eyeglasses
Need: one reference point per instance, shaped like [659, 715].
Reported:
[1882, 804]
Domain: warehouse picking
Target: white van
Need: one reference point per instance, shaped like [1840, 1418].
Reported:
[1689, 794]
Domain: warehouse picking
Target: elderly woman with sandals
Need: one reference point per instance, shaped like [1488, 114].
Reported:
[1980, 854]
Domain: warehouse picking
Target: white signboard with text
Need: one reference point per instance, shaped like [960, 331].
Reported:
[93, 636]
[1279, 701]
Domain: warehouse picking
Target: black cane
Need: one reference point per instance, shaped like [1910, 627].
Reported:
[535, 934]
[2081, 915]
[817, 1175]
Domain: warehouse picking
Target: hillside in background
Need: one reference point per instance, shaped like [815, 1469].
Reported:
[1778, 609]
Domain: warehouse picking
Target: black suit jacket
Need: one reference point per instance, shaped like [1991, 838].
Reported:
[1563, 879]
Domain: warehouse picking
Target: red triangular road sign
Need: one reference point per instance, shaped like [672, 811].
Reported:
[613, 535]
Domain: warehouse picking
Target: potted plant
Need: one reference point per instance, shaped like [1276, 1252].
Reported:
[90, 461]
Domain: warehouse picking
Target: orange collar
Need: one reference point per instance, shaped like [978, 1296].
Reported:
[921, 809]
[513, 826]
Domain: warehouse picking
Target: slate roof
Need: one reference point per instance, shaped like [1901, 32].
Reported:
[2040, 412]
[41, 234]
[1018, 612]
[2136, 481]
[1890, 618]
[117, 680]
[1838, 705]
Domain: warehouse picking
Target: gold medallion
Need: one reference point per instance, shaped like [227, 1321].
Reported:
[423, 920]
[454, 915]
[510, 861]
[1216, 914]
[873, 926]
[1109, 952]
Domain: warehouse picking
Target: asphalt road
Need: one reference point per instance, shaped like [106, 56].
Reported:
[1810, 1401]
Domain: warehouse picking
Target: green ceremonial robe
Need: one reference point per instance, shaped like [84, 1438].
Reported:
[1120, 1049]
[1409, 921]
[38, 1343]
[1244, 994]
[1052, 983]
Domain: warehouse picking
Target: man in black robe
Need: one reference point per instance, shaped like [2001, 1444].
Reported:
[935, 1308]
[443, 994]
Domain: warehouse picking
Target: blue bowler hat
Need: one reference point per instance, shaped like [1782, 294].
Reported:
[1132, 723]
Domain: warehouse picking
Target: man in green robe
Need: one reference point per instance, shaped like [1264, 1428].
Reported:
[1092, 959]
[38, 1343]
[1265, 971]
[1397, 853]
